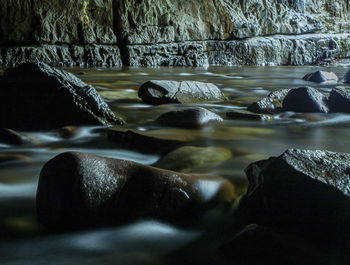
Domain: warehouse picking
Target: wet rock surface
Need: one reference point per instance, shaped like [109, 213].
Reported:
[78, 190]
[271, 104]
[57, 98]
[164, 91]
[190, 158]
[303, 192]
[188, 118]
[305, 99]
[321, 77]
[339, 99]
[245, 115]
[8, 136]
[346, 78]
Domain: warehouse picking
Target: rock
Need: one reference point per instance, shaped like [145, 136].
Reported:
[303, 192]
[69, 131]
[57, 98]
[264, 246]
[129, 139]
[245, 115]
[8, 136]
[188, 118]
[78, 190]
[346, 78]
[185, 92]
[189, 158]
[271, 104]
[321, 77]
[339, 100]
[305, 99]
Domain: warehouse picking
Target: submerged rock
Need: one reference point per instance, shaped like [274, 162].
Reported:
[129, 139]
[188, 118]
[188, 158]
[339, 99]
[305, 99]
[78, 190]
[321, 76]
[246, 115]
[8, 136]
[185, 92]
[303, 192]
[271, 104]
[37, 96]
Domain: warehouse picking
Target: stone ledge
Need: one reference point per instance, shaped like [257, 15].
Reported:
[65, 55]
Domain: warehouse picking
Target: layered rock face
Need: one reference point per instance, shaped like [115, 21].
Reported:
[152, 32]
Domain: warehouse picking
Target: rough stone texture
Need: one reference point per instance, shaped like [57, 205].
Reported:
[193, 33]
[303, 192]
[185, 92]
[272, 50]
[305, 99]
[321, 77]
[271, 104]
[188, 118]
[63, 55]
[36, 96]
[78, 190]
[339, 99]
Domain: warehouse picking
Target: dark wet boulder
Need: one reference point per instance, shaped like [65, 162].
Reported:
[185, 92]
[321, 77]
[79, 190]
[129, 139]
[36, 96]
[303, 192]
[188, 118]
[8, 136]
[305, 99]
[271, 104]
[346, 78]
[262, 245]
[339, 99]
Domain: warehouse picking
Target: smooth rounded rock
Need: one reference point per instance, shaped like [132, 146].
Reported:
[321, 77]
[37, 96]
[79, 190]
[305, 99]
[185, 92]
[188, 118]
[339, 100]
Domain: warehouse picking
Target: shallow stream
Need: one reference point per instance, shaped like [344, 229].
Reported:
[23, 241]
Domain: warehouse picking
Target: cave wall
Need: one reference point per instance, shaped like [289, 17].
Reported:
[171, 32]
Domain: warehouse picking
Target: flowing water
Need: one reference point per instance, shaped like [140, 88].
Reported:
[23, 241]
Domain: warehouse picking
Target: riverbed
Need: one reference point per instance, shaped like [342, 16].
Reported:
[23, 241]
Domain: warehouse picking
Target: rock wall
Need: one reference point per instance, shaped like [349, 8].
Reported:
[168, 32]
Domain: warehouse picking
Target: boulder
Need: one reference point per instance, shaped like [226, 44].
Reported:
[270, 104]
[37, 97]
[129, 139]
[79, 190]
[305, 99]
[303, 192]
[321, 77]
[8, 136]
[189, 158]
[346, 78]
[185, 92]
[339, 99]
[188, 118]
